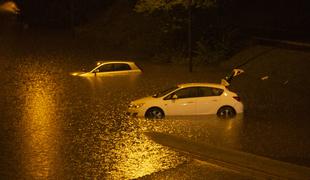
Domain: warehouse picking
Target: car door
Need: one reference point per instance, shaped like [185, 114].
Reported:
[181, 102]
[209, 100]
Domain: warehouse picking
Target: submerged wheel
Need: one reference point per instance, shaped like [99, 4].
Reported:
[154, 113]
[226, 112]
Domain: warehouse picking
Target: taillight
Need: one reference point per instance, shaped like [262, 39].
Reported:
[237, 98]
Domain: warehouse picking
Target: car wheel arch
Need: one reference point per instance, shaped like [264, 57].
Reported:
[226, 106]
[154, 107]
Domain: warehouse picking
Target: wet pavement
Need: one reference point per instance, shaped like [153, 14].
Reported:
[57, 126]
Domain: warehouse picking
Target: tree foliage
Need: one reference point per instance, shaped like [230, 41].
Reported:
[174, 13]
[150, 6]
[212, 37]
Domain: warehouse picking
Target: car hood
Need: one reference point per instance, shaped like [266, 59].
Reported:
[143, 100]
[77, 73]
[84, 74]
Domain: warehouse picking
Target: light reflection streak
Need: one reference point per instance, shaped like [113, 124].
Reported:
[129, 154]
[209, 129]
[142, 159]
[115, 80]
[39, 126]
[147, 157]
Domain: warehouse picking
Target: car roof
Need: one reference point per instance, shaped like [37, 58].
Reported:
[115, 61]
[215, 85]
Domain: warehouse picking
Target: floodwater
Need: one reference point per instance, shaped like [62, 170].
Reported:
[58, 126]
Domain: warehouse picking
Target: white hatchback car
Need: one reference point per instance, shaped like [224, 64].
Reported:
[105, 68]
[188, 99]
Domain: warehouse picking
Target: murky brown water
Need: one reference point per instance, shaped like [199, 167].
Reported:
[58, 126]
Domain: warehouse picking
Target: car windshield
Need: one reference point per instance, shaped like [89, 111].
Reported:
[88, 67]
[162, 93]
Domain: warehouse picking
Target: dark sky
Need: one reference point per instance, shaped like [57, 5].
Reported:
[283, 18]
[282, 10]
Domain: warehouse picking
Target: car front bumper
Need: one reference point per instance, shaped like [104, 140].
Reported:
[134, 112]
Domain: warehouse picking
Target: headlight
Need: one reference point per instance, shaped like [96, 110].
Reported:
[136, 105]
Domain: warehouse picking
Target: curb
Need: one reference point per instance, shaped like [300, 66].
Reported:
[247, 163]
[284, 43]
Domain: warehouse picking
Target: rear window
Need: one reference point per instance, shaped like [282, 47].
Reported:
[121, 67]
[189, 92]
[217, 91]
[139, 67]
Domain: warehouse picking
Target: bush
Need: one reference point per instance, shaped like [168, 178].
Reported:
[218, 46]
[171, 56]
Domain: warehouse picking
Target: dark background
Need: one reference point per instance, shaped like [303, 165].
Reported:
[278, 14]
[219, 31]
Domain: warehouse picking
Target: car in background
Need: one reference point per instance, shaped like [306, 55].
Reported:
[188, 99]
[106, 68]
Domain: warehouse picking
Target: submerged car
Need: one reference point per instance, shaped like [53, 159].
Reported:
[105, 68]
[188, 99]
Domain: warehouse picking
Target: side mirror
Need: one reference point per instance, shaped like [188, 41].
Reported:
[96, 71]
[174, 97]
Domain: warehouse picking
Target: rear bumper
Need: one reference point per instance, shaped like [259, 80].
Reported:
[239, 108]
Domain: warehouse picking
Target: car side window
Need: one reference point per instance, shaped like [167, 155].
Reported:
[186, 93]
[121, 67]
[209, 91]
[106, 68]
[217, 91]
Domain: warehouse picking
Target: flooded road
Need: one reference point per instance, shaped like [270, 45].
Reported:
[58, 126]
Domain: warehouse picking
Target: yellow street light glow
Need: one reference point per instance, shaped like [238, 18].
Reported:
[74, 74]
[10, 7]
[41, 133]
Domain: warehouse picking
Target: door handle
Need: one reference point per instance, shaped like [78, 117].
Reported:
[190, 102]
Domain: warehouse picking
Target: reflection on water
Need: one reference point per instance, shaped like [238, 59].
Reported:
[39, 93]
[203, 129]
[117, 81]
[117, 149]
[136, 156]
